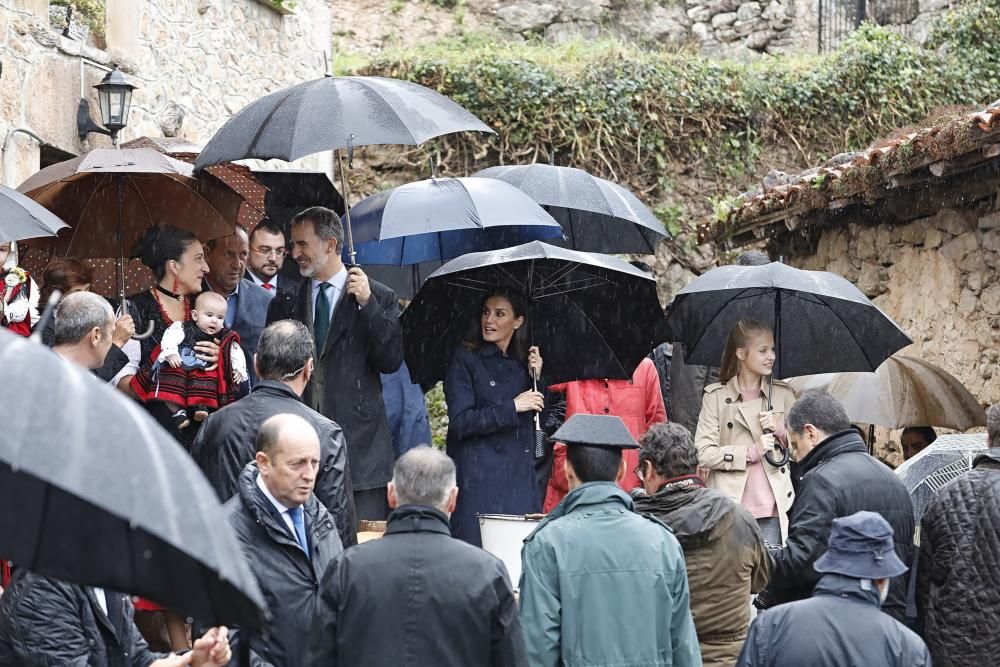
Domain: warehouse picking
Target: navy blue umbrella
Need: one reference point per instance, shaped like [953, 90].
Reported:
[436, 220]
[596, 215]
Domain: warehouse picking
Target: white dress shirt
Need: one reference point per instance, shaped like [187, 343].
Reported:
[273, 282]
[339, 282]
[282, 510]
[102, 600]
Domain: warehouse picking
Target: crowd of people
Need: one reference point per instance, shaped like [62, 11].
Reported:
[752, 527]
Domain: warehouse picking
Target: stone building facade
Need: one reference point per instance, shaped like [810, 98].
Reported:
[713, 27]
[196, 62]
[914, 222]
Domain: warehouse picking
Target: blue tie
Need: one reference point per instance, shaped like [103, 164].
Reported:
[300, 528]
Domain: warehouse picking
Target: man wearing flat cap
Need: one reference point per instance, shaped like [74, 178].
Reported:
[842, 623]
[602, 585]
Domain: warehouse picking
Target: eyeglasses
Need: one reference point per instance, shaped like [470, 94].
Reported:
[264, 251]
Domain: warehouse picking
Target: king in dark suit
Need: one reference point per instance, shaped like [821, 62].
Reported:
[248, 303]
[355, 324]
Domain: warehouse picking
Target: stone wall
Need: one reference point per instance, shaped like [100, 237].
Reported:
[938, 277]
[714, 27]
[195, 62]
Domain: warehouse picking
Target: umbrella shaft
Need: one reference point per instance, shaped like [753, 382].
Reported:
[347, 209]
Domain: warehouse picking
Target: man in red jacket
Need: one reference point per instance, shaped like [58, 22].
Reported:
[638, 403]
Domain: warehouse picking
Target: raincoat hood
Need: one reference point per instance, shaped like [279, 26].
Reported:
[698, 516]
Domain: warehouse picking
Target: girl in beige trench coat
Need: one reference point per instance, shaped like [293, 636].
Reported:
[734, 429]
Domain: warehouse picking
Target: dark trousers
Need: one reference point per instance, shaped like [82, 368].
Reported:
[371, 504]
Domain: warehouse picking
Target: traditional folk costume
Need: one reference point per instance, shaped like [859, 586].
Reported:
[19, 297]
[191, 385]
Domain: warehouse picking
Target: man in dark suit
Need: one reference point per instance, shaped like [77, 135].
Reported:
[247, 313]
[267, 257]
[355, 323]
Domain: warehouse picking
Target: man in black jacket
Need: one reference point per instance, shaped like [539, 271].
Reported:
[836, 478]
[45, 621]
[285, 533]
[958, 573]
[225, 443]
[355, 323]
[446, 603]
[841, 624]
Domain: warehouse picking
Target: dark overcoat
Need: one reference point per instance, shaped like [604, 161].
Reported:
[493, 445]
[360, 344]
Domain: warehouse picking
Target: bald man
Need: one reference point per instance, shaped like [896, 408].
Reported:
[285, 532]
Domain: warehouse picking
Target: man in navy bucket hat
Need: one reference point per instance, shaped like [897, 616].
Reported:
[842, 623]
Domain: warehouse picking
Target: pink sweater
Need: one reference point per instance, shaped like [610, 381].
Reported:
[758, 497]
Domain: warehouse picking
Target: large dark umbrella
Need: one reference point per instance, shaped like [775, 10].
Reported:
[23, 218]
[593, 316]
[443, 218]
[94, 492]
[948, 457]
[336, 113]
[822, 323]
[596, 215]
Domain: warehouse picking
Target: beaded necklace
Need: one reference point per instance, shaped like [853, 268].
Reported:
[163, 311]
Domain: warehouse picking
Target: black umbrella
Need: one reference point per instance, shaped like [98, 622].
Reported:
[23, 218]
[821, 322]
[596, 215]
[333, 113]
[94, 492]
[593, 316]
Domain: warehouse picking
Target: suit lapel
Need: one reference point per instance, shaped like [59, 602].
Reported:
[99, 614]
[343, 315]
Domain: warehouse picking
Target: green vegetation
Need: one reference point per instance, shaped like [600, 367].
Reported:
[684, 130]
[87, 12]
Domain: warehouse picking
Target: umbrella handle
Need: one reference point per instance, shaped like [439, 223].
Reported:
[145, 334]
[534, 385]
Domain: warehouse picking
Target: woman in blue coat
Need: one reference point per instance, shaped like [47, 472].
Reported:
[491, 410]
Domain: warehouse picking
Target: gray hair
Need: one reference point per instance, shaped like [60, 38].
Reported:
[821, 409]
[424, 476]
[326, 223]
[753, 258]
[284, 348]
[670, 449]
[77, 315]
[993, 425]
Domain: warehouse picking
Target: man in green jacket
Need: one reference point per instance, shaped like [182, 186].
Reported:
[602, 585]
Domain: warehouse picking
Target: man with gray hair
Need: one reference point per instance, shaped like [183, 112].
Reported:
[225, 441]
[85, 325]
[958, 572]
[724, 551]
[444, 602]
[835, 477]
[355, 324]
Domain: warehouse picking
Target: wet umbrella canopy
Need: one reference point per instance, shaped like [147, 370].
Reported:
[596, 215]
[23, 218]
[948, 457]
[443, 218]
[903, 391]
[333, 113]
[592, 316]
[822, 323]
[130, 189]
[96, 493]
